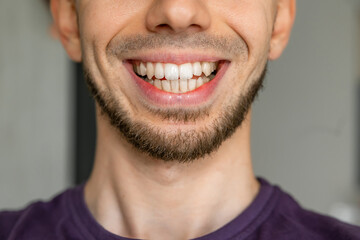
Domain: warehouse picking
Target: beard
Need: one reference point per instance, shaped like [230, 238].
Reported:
[181, 145]
[177, 144]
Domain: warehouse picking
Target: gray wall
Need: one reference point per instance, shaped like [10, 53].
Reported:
[304, 127]
[34, 106]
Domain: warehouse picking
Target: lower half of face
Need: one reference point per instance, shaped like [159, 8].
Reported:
[173, 117]
[176, 87]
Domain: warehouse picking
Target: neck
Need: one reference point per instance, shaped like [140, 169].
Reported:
[134, 196]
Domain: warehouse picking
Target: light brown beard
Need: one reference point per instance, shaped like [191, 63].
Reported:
[183, 145]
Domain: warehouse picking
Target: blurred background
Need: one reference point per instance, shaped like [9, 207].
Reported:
[305, 133]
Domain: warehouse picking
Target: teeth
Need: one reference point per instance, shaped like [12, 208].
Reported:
[186, 71]
[197, 69]
[199, 82]
[175, 86]
[183, 85]
[166, 85]
[178, 79]
[142, 69]
[192, 84]
[206, 68]
[150, 71]
[157, 83]
[212, 66]
[178, 86]
[171, 71]
[137, 69]
[159, 71]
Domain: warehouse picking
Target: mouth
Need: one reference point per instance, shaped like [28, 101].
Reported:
[173, 84]
[173, 78]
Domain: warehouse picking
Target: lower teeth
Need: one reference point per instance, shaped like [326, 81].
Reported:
[179, 86]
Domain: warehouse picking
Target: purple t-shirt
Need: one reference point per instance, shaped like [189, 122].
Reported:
[273, 215]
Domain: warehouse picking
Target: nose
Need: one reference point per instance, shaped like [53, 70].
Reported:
[176, 16]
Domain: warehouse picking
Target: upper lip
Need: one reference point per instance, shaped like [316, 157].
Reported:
[176, 58]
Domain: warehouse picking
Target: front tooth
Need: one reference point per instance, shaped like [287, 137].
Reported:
[159, 71]
[150, 70]
[205, 66]
[166, 85]
[197, 69]
[157, 83]
[142, 69]
[199, 82]
[186, 71]
[175, 86]
[183, 85]
[206, 79]
[171, 71]
[192, 84]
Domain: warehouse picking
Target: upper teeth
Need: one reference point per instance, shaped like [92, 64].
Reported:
[174, 72]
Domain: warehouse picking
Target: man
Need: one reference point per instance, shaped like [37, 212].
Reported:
[173, 81]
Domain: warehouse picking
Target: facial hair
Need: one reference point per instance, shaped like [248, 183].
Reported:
[181, 145]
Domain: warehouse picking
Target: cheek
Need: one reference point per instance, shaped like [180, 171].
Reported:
[102, 20]
[251, 20]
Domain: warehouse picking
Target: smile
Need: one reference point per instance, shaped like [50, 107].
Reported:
[175, 78]
[171, 84]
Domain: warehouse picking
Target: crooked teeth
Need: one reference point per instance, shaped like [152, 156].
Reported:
[206, 68]
[197, 69]
[174, 72]
[180, 85]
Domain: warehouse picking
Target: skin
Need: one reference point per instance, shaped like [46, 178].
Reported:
[129, 193]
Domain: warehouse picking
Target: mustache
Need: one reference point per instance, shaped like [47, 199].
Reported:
[226, 45]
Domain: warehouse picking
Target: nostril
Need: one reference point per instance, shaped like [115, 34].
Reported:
[164, 28]
[168, 28]
[163, 25]
[194, 27]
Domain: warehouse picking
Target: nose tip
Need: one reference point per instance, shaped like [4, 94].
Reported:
[176, 16]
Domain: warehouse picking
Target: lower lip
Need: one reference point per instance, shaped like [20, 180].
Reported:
[167, 99]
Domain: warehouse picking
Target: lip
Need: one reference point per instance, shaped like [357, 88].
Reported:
[167, 99]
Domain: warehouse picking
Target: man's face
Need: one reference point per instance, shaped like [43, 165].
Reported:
[175, 77]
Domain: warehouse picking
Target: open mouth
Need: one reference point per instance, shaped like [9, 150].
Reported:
[175, 78]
